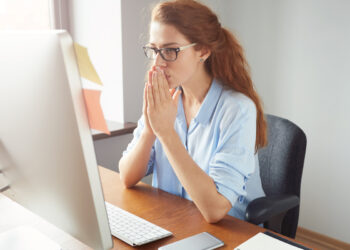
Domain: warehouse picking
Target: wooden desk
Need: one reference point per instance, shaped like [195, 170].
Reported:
[178, 215]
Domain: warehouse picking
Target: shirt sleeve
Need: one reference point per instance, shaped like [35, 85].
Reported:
[234, 158]
[137, 133]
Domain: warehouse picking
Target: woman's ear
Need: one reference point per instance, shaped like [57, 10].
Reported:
[205, 53]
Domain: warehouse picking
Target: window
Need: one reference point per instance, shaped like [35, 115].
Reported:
[23, 14]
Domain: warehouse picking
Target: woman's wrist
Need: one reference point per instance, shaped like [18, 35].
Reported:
[148, 135]
[167, 137]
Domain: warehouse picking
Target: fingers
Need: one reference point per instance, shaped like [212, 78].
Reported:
[150, 76]
[160, 86]
[150, 101]
[155, 88]
[145, 98]
[163, 86]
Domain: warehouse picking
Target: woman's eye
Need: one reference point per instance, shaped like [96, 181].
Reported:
[168, 51]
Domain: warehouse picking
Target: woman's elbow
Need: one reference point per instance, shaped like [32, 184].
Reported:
[214, 217]
[126, 182]
[123, 178]
[217, 213]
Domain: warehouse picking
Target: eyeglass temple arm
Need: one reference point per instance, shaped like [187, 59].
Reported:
[187, 46]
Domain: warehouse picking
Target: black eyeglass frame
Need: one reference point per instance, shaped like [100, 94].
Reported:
[156, 51]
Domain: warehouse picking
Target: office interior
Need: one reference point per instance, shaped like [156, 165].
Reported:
[299, 56]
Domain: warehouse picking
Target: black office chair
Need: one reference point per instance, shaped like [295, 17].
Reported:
[281, 166]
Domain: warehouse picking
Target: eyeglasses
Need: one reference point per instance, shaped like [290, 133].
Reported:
[168, 54]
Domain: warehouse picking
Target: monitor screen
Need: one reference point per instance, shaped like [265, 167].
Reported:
[46, 148]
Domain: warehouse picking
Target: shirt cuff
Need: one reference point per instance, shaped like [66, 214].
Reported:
[230, 195]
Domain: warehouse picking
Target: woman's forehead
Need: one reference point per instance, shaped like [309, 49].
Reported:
[165, 35]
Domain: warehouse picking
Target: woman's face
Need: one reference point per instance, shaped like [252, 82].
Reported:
[180, 71]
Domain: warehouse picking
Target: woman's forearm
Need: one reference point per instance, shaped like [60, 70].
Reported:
[200, 187]
[133, 166]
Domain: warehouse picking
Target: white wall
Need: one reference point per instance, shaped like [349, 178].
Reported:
[111, 30]
[135, 21]
[97, 26]
[299, 53]
[114, 32]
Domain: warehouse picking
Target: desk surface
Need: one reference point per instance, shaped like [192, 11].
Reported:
[178, 215]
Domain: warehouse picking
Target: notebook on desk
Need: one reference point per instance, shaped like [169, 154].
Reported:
[269, 241]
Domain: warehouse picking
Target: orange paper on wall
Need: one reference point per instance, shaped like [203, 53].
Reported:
[95, 113]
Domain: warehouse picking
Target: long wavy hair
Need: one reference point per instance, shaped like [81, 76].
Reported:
[226, 62]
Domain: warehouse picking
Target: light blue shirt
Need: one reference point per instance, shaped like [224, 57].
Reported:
[221, 140]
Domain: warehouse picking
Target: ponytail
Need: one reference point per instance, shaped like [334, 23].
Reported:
[227, 63]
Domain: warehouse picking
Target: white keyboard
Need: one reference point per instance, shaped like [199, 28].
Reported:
[132, 229]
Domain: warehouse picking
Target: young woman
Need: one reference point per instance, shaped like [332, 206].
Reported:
[202, 121]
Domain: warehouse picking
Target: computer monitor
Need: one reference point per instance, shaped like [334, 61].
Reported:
[46, 148]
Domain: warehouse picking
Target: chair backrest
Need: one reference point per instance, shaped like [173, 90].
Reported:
[281, 164]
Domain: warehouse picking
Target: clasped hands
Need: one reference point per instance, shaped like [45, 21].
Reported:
[159, 104]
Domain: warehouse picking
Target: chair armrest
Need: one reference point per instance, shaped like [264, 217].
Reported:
[263, 209]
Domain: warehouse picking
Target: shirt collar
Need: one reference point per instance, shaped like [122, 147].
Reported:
[211, 99]
[208, 105]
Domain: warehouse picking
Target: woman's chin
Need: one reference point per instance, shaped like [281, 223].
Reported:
[170, 83]
[171, 86]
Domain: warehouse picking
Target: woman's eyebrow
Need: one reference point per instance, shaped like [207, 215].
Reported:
[165, 45]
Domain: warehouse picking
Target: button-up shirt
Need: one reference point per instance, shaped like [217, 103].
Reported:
[221, 140]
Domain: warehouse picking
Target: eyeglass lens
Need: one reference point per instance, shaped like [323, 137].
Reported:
[168, 54]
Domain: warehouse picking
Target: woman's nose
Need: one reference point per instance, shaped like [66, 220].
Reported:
[159, 61]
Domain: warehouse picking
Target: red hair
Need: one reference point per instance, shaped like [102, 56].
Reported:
[226, 62]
